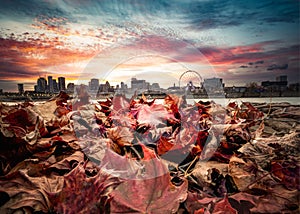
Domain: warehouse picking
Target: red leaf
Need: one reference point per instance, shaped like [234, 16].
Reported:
[233, 105]
[120, 103]
[224, 207]
[60, 111]
[153, 115]
[105, 106]
[148, 153]
[164, 145]
[20, 117]
[82, 194]
[198, 202]
[147, 187]
[287, 173]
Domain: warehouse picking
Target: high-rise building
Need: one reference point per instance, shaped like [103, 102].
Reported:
[61, 84]
[50, 84]
[94, 84]
[139, 84]
[55, 86]
[21, 88]
[41, 85]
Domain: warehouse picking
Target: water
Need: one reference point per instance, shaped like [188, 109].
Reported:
[225, 101]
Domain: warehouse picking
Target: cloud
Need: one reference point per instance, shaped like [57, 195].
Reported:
[277, 67]
[220, 14]
[259, 62]
[257, 52]
[31, 8]
[28, 59]
[253, 63]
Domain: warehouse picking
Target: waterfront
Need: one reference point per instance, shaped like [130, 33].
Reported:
[291, 100]
[221, 101]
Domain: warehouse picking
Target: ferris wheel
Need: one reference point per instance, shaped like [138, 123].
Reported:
[190, 79]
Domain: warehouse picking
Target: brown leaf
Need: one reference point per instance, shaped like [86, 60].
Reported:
[68, 163]
[120, 135]
[199, 202]
[25, 191]
[241, 177]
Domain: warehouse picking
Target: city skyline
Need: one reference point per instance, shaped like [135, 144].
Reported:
[49, 84]
[238, 41]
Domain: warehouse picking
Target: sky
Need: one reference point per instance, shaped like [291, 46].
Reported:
[158, 40]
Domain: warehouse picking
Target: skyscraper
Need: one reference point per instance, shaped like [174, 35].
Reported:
[50, 84]
[21, 88]
[94, 84]
[42, 84]
[55, 86]
[61, 83]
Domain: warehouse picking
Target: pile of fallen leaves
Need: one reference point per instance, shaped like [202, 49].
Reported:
[139, 156]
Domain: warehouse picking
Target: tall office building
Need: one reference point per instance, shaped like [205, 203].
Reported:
[21, 88]
[50, 84]
[61, 83]
[55, 86]
[41, 85]
[94, 84]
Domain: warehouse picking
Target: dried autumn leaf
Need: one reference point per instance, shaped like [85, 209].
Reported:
[149, 195]
[197, 202]
[277, 200]
[122, 136]
[83, 194]
[23, 117]
[224, 207]
[164, 145]
[148, 153]
[243, 202]
[154, 115]
[237, 171]
[120, 103]
[105, 106]
[46, 110]
[68, 163]
[252, 113]
[25, 191]
[287, 173]
[9, 131]
[60, 111]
